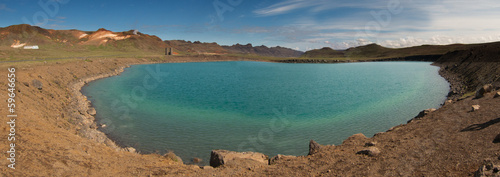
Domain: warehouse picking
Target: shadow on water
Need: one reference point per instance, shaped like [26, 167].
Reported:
[476, 127]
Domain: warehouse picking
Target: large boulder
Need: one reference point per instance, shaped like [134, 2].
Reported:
[485, 89]
[371, 151]
[240, 159]
[314, 147]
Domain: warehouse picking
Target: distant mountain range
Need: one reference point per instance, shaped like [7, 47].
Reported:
[105, 42]
[18, 36]
[377, 52]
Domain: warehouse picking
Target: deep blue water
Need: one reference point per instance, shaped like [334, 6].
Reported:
[273, 108]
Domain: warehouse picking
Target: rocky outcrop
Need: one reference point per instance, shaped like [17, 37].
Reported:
[241, 159]
[468, 70]
[314, 147]
[263, 50]
[421, 114]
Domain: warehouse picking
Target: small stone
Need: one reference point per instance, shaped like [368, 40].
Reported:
[279, 157]
[370, 144]
[92, 111]
[497, 95]
[104, 125]
[448, 102]
[196, 160]
[497, 139]
[371, 151]
[488, 169]
[130, 149]
[475, 108]
[37, 84]
[207, 167]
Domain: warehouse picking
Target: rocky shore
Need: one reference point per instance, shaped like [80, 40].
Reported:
[58, 135]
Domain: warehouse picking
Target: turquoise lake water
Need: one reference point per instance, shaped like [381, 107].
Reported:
[273, 108]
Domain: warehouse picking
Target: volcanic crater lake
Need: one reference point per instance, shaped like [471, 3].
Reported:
[273, 108]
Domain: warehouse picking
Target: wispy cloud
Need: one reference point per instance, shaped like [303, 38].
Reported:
[283, 7]
[4, 7]
[420, 22]
[314, 6]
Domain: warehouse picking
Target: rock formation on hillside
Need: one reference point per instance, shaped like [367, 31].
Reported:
[263, 50]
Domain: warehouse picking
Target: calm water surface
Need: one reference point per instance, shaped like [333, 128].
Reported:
[273, 108]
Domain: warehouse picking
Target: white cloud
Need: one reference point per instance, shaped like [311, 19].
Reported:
[316, 6]
[437, 22]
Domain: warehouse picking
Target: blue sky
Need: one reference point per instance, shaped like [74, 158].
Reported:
[298, 24]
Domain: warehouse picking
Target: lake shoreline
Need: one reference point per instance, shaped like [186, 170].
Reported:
[85, 105]
[62, 79]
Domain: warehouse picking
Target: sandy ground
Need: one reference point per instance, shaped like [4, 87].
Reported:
[55, 137]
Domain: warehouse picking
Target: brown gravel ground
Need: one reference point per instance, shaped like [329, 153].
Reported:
[51, 139]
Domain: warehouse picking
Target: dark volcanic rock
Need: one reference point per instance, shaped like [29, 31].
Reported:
[485, 89]
[314, 147]
[489, 169]
[497, 139]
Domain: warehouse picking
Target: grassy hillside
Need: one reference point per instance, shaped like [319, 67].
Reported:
[55, 44]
